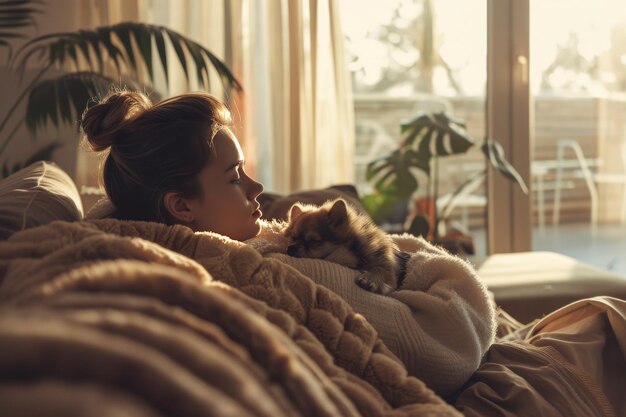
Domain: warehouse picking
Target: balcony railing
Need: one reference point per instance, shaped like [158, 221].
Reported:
[596, 124]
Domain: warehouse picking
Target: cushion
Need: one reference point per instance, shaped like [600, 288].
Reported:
[275, 206]
[36, 195]
[528, 285]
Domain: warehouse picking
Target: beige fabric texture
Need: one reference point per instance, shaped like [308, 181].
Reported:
[36, 195]
[572, 363]
[439, 323]
[529, 285]
[179, 323]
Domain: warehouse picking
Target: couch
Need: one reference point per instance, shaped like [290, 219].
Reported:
[107, 318]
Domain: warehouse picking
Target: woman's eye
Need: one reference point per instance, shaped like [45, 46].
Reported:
[236, 181]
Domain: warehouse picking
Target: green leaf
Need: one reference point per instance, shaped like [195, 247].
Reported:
[392, 174]
[55, 47]
[180, 53]
[202, 72]
[143, 38]
[427, 131]
[123, 34]
[86, 42]
[420, 226]
[375, 167]
[406, 184]
[160, 44]
[379, 206]
[65, 96]
[495, 155]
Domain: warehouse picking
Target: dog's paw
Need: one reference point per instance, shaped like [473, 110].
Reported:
[373, 283]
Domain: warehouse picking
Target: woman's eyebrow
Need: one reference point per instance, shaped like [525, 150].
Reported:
[235, 165]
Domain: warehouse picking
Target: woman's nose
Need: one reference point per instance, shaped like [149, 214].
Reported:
[255, 189]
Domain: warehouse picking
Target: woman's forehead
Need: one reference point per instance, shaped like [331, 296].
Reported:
[226, 147]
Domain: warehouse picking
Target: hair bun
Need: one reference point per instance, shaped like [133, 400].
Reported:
[101, 123]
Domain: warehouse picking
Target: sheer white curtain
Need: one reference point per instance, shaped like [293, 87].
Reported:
[200, 20]
[295, 118]
[297, 106]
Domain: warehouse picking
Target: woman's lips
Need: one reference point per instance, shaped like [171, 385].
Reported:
[257, 214]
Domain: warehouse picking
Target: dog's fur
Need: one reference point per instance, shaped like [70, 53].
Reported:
[338, 233]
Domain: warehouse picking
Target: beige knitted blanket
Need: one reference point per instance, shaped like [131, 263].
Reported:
[109, 318]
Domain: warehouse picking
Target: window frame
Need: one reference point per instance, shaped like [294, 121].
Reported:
[509, 215]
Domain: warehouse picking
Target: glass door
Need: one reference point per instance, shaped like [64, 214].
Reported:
[410, 57]
[578, 88]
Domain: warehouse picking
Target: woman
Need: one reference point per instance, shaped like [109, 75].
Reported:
[175, 162]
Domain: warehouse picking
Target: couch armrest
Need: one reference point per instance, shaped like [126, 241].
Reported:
[529, 285]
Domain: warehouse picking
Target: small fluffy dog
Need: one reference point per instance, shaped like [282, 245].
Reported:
[337, 233]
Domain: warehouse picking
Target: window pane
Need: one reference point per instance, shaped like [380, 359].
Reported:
[412, 56]
[578, 79]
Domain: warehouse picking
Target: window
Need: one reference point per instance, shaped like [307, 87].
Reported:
[578, 85]
[411, 56]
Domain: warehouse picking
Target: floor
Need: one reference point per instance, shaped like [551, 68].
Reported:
[604, 248]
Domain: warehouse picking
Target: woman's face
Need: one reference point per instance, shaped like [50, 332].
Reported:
[227, 204]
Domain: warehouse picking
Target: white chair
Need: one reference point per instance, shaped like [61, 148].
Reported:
[591, 179]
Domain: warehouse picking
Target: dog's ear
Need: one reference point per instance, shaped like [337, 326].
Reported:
[294, 212]
[338, 212]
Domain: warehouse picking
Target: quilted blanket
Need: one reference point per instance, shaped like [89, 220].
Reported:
[109, 318]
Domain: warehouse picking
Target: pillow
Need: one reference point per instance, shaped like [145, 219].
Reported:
[275, 206]
[36, 195]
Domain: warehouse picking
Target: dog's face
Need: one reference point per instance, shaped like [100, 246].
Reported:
[319, 232]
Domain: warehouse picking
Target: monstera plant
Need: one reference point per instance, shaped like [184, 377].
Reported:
[91, 63]
[426, 138]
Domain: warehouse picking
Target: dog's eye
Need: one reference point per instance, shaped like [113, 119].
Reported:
[312, 237]
[314, 243]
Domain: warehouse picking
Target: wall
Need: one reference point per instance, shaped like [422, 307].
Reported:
[57, 15]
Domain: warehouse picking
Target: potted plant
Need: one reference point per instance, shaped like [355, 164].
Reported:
[426, 138]
[85, 57]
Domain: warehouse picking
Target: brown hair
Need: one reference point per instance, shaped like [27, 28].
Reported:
[153, 149]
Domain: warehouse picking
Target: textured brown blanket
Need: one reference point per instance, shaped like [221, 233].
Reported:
[111, 318]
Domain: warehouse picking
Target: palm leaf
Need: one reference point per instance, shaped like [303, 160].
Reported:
[160, 44]
[62, 99]
[15, 16]
[135, 53]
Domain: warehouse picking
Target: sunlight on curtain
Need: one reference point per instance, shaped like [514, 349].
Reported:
[93, 14]
[200, 20]
[297, 105]
[96, 13]
[295, 118]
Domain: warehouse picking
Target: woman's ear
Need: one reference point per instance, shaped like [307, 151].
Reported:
[177, 207]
